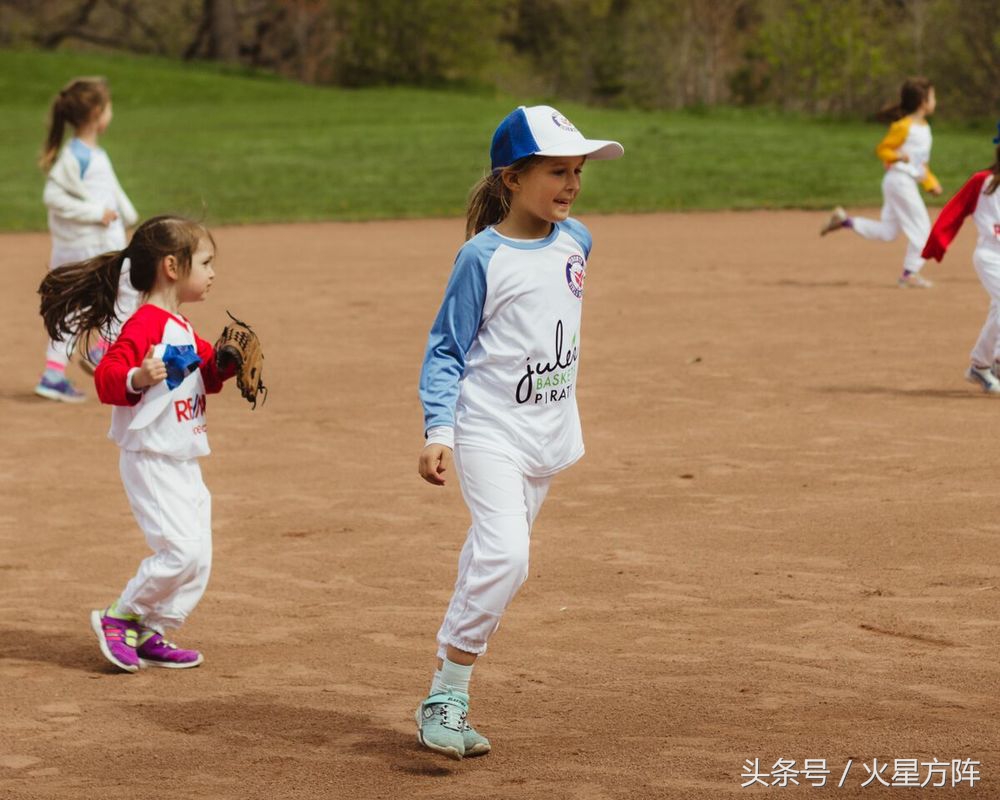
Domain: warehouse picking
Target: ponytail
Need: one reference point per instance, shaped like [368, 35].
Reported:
[489, 199]
[53, 141]
[76, 104]
[78, 300]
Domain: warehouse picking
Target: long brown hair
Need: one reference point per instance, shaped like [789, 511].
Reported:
[912, 95]
[78, 300]
[76, 104]
[489, 198]
[995, 169]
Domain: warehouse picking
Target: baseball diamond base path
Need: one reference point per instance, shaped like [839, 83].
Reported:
[782, 543]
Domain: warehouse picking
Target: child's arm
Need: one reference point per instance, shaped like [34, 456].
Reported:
[451, 337]
[950, 219]
[210, 372]
[930, 183]
[129, 367]
[888, 149]
[73, 208]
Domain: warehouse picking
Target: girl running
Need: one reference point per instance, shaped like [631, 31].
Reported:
[906, 153]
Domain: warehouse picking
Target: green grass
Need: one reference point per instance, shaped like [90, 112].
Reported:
[230, 147]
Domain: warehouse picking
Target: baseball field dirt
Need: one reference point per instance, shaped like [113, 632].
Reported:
[780, 546]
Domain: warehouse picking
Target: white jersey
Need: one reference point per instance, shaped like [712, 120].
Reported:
[917, 148]
[503, 355]
[168, 418]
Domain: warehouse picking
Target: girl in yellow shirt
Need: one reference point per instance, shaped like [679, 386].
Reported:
[905, 151]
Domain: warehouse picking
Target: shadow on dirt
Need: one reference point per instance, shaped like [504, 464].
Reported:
[69, 650]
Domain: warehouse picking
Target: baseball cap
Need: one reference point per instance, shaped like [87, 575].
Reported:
[543, 131]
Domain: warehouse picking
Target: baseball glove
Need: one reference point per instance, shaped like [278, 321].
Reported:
[238, 345]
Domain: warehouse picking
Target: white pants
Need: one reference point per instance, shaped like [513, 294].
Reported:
[903, 210]
[174, 509]
[503, 503]
[58, 351]
[987, 347]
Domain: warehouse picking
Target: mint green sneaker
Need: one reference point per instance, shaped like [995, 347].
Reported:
[441, 723]
[475, 743]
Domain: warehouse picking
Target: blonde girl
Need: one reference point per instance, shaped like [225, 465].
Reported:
[498, 386]
[88, 211]
[156, 375]
[905, 151]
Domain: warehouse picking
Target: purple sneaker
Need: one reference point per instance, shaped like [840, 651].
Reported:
[118, 639]
[53, 388]
[155, 651]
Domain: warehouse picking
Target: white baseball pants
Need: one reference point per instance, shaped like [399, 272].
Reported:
[903, 210]
[503, 503]
[987, 347]
[174, 509]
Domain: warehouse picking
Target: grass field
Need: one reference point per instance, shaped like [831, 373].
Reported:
[233, 147]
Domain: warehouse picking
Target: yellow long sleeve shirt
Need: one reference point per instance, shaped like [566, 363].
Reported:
[914, 140]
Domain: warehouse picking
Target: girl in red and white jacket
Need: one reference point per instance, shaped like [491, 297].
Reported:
[980, 200]
[156, 375]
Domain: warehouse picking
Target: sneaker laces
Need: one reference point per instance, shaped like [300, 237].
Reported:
[441, 709]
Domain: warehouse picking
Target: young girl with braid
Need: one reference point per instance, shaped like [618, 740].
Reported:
[88, 212]
[498, 386]
[978, 199]
[156, 375]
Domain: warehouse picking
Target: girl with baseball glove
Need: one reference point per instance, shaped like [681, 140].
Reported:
[156, 375]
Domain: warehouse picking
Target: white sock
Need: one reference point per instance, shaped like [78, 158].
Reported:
[451, 676]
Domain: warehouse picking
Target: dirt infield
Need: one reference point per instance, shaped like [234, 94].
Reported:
[782, 543]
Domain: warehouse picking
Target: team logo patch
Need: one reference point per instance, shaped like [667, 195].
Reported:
[576, 272]
[562, 122]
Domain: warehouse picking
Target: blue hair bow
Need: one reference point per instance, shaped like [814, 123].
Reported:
[180, 361]
[996, 140]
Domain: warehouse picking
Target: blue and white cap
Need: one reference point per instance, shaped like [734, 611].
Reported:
[543, 131]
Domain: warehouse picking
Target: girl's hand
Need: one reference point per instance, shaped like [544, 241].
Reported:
[109, 217]
[902, 157]
[435, 461]
[152, 371]
[937, 190]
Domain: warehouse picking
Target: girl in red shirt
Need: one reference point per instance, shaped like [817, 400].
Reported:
[979, 199]
[156, 375]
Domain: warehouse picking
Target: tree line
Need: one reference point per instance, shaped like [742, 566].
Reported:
[841, 57]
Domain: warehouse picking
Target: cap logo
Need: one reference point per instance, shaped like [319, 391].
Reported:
[562, 122]
[576, 273]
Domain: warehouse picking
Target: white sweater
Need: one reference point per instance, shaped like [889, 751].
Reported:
[77, 194]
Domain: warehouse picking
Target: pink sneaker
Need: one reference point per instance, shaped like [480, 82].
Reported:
[117, 638]
[155, 651]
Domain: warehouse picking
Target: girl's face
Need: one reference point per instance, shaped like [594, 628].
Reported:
[931, 102]
[193, 287]
[102, 118]
[547, 190]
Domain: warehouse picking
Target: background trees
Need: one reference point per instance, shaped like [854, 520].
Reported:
[817, 56]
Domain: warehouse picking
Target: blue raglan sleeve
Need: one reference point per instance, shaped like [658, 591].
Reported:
[451, 337]
[579, 231]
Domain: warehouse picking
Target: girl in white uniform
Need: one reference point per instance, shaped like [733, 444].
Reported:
[156, 374]
[498, 386]
[88, 212]
[905, 151]
[979, 199]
